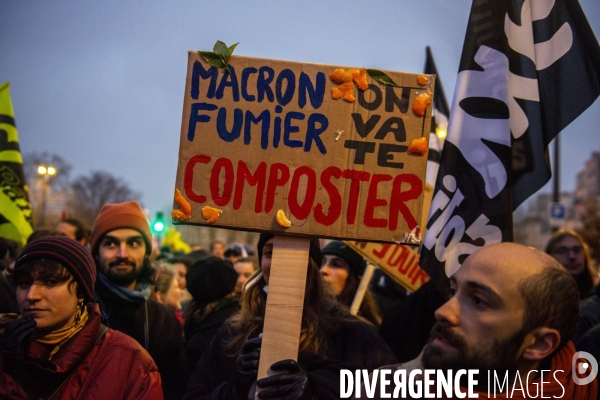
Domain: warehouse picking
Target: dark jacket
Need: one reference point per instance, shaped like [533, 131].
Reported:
[199, 332]
[8, 301]
[113, 366]
[589, 315]
[353, 345]
[406, 326]
[165, 337]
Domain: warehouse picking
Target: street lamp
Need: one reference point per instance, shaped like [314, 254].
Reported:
[46, 172]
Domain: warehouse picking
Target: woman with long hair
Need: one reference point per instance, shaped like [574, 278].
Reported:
[330, 339]
[342, 269]
[166, 289]
[57, 348]
[569, 249]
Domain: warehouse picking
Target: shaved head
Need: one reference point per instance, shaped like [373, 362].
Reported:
[511, 307]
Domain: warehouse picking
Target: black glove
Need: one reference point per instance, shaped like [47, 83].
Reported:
[290, 385]
[12, 344]
[246, 368]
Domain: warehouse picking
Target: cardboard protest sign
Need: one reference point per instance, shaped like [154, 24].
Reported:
[270, 136]
[399, 261]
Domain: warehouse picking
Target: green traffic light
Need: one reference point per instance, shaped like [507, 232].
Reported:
[159, 223]
[159, 226]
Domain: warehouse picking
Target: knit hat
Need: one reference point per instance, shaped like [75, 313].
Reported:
[120, 216]
[314, 251]
[340, 249]
[69, 253]
[210, 279]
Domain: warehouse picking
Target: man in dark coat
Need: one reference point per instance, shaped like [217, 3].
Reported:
[121, 243]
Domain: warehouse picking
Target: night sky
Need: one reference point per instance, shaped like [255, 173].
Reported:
[101, 83]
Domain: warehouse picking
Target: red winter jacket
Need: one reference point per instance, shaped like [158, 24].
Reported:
[112, 367]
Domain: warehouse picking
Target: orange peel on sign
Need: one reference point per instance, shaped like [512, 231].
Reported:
[421, 102]
[211, 214]
[338, 76]
[417, 146]
[282, 219]
[422, 80]
[336, 93]
[185, 209]
[359, 76]
[346, 80]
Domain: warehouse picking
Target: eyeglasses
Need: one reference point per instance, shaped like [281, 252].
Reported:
[563, 251]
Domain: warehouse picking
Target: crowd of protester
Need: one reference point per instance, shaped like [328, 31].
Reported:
[99, 313]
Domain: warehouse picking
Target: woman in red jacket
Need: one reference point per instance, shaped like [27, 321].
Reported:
[57, 348]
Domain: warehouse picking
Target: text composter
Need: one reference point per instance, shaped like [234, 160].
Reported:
[270, 137]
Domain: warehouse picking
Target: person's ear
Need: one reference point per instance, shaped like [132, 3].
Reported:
[159, 297]
[540, 343]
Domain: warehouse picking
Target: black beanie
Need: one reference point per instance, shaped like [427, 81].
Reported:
[69, 253]
[210, 279]
[338, 248]
[314, 250]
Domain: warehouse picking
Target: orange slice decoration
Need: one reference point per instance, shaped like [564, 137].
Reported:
[345, 79]
[421, 102]
[417, 147]
[338, 76]
[211, 214]
[422, 80]
[282, 219]
[185, 209]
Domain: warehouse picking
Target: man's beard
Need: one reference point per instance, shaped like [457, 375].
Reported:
[500, 356]
[121, 277]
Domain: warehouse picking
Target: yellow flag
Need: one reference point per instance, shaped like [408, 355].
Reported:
[15, 209]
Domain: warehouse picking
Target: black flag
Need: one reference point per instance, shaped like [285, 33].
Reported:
[439, 121]
[528, 69]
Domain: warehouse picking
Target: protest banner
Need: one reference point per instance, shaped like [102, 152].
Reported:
[401, 262]
[270, 136]
[301, 150]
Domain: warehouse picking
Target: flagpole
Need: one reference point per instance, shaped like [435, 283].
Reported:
[556, 192]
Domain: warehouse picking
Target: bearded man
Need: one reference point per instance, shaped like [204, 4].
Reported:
[510, 316]
[121, 243]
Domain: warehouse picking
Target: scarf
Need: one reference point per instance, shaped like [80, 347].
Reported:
[140, 294]
[61, 336]
[557, 384]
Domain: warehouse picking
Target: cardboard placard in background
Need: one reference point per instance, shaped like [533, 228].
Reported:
[399, 261]
[269, 136]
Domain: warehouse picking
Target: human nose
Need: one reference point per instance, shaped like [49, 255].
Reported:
[34, 293]
[449, 312]
[324, 270]
[122, 251]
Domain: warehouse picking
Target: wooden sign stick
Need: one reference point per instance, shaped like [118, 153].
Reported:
[285, 301]
[362, 288]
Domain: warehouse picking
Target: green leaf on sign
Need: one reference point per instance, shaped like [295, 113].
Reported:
[216, 60]
[220, 55]
[381, 77]
[230, 50]
[220, 48]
